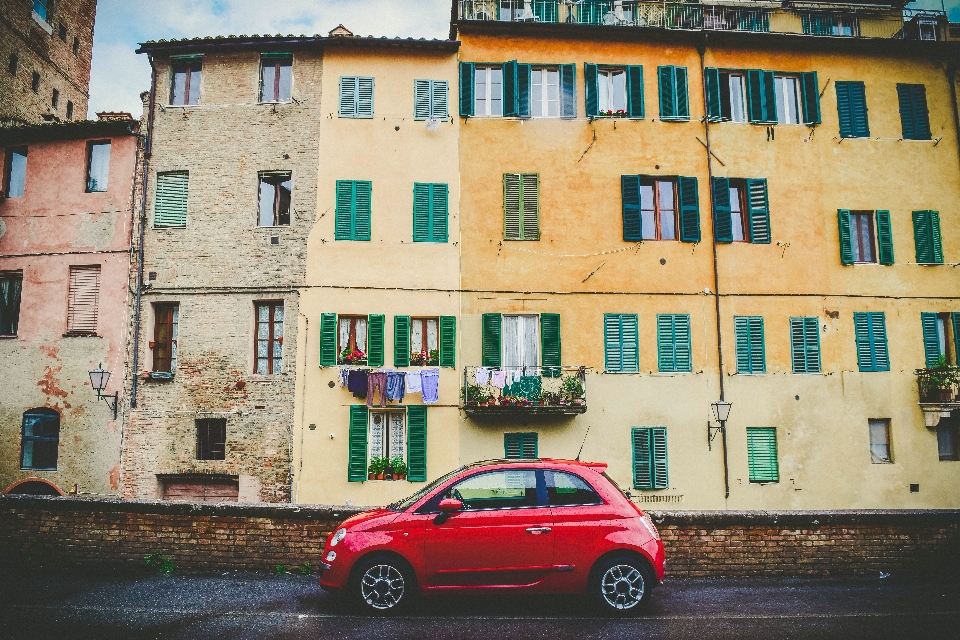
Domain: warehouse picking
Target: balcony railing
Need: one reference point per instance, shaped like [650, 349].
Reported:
[524, 391]
[940, 385]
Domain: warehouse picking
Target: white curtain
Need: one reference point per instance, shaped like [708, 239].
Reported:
[521, 342]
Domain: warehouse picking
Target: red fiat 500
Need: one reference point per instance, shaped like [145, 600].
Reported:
[543, 526]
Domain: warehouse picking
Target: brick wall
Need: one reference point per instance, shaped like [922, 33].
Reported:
[258, 537]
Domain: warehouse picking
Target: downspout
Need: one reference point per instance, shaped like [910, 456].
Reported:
[952, 79]
[713, 244]
[147, 153]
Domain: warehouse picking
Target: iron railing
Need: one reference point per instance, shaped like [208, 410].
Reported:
[939, 385]
[524, 389]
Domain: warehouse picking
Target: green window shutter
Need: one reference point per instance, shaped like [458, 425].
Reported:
[714, 110]
[884, 237]
[758, 210]
[748, 335]
[421, 212]
[907, 121]
[681, 336]
[673, 343]
[524, 80]
[170, 206]
[530, 206]
[550, 344]
[511, 97]
[642, 458]
[846, 242]
[805, 345]
[422, 98]
[722, 222]
[417, 443]
[762, 454]
[440, 213]
[348, 96]
[364, 98]
[659, 438]
[689, 209]
[635, 91]
[810, 97]
[871, 337]
[667, 84]
[591, 89]
[491, 339]
[913, 111]
[761, 96]
[682, 93]
[852, 109]
[328, 339]
[448, 341]
[438, 99]
[568, 90]
[401, 341]
[878, 337]
[357, 443]
[931, 339]
[955, 317]
[611, 342]
[630, 194]
[861, 327]
[520, 446]
[375, 330]
[629, 344]
[511, 206]
[466, 88]
[926, 237]
[935, 239]
[344, 210]
[361, 228]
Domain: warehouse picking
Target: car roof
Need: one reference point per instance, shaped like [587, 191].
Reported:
[599, 467]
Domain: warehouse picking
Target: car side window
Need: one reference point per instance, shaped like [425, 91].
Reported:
[506, 489]
[564, 489]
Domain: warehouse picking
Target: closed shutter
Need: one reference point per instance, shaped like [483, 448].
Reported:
[635, 91]
[621, 347]
[439, 213]
[878, 336]
[353, 210]
[170, 207]
[520, 446]
[673, 342]
[758, 209]
[348, 97]
[852, 109]
[364, 98]
[524, 80]
[591, 89]
[714, 108]
[467, 70]
[439, 100]
[530, 198]
[491, 339]
[328, 339]
[805, 345]
[511, 206]
[674, 103]
[871, 338]
[550, 352]
[417, 443]
[630, 206]
[659, 437]
[511, 97]
[722, 222]
[955, 317]
[682, 348]
[357, 443]
[884, 237]
[521, 206]
[931, 338]
[810, 97]
[421, 212]
[422, 98]
[762, 454]
[689, 209]
[846, 242]
[761, 97]
[650, 458]
[375, 350]
[926, 237]
[361, 229]
[914, 117]
[401, 341]
[748, 333]
[448, 341]
[568, 91]
[612, 360]
[83, 300]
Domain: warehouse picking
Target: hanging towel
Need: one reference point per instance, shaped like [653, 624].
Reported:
[498, 378]
[357, 383]
[430, 380]
[395, 386]
[344, 376]
[413, 382]
[376, 382]
[482, 375]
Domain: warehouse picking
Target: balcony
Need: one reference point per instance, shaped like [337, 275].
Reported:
[527, 391]
[939, 392]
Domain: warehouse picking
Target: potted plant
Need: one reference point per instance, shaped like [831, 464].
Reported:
[942, 380]
[376, 468]
[399, 468]
[372, 469]
[572, 389]
[352, 356]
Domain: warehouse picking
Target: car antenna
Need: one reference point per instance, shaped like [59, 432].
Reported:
[582, 443]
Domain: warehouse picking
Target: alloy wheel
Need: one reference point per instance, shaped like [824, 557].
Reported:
[382, 586]
[622, 586]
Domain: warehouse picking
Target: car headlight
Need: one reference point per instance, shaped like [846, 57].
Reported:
[331, 556]
[338, 536]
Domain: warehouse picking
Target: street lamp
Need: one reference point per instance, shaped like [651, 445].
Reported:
[721, 411]
[99, 379]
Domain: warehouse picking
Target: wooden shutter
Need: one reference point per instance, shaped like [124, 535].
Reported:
[611, 342]
[884, 237]
[914, 117]
[689, 209]
[524, 80]
[439, 212]
[931, 338]
[422, 97]
[926, 237]
[683, 353]
[511, 206]
[629, 344]
[668, 92]
[810, 97]
[353, 210]
[361, 220]
[758, 210]
[328, 339]
[630, 207]
[955, 317]
[861, 327]
[871, 337]
[364, 98]
[568, 90]
[714, 109]
[421, 212]
[401, 341]
[348, 96]
[520, 445]
[170, 207]
[878, 338]
[805, 345]
[659, 442]
[417, 443]
[642, 458]
[852, 109]
[467, 70]
[357, 444]
[935, 240]
[722, 221]
[682, 93]
[511, 97]
[438, 99]
[550, 344]
[907, 121]
[748, 333]
[846, 242]
[375, 351]
[530, 206]
[490, 339]
[591, 89]
[761, 96]
[448, 341]
[673, 343]
[762, 454]
[635, 91]
[83, 300]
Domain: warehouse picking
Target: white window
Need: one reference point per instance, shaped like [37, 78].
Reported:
[612, 90]
[521, 342]
[387, 435]
[488, 91]
[738, 111]
[880, 442]
[545, 93]
[788, 99]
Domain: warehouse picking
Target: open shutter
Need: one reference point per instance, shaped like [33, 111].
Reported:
[375, 351]
[417, 443]
[170, 207]
[758, 209]
[714, 109]
[681, 340]
[438, 99]
[642, 458]
[955, 317]
[935, 240]
[439, 214]
[448, 341]
[843, 109]
[591, 89]
[524, 80]
[878, 339]
[83, 300]
[762, 454]
[846, 244]
[635, 91]
[401, 341]
[810, 97]
[611, 343]
[630, 195]
[328, 339]
[689, 209]
[421, 99]
[568, 90]
[682, 93]
[852, 109]
[884, 237]
[511, 206]
[722, 222]
[931, 339]
[926, 236]
[667, 84]
[365, 97]
[761, 96]
[511, 96]
[629, 344]
[357, 442]
[907, 120]
[921, 117]
[666, 343]
[421, 212]
[658, 437]
[348, 96]
[344, 210]
[466, 88]
[530, 206]
[550, 344]
[361, 221]
[491, 339]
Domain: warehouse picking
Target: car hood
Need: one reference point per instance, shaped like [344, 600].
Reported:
[369, 519]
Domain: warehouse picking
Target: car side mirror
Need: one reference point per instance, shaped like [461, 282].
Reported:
[450, 506]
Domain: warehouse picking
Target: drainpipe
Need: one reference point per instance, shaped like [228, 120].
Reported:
[952, 79]
[147, 153]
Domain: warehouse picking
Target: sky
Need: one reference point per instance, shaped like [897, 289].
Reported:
[119, 75]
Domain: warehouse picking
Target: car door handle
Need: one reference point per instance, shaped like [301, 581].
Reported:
[538, 530]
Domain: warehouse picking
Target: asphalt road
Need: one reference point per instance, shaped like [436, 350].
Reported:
[42, 604]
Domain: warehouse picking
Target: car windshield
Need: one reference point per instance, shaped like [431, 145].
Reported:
[403, 505]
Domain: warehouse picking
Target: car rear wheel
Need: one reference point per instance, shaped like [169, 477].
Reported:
[381, 586]
[621, 585]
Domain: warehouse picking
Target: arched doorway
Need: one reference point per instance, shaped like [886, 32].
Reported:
[34, 487]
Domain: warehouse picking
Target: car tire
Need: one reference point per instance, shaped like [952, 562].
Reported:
[621, 585]
[381, 586]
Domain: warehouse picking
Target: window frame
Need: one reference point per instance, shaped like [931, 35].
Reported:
[606, 77]
[948, 430]
[875, 458]
[171, 343]
[75, 303]
[45, 9]
[657, 211]
[35, 82]
[545, 87]
[539, 484]
[727, 92]
[210, 446]
[274, 339]
[190, 66]
[8, 171]
[11, 277]
[280, 218]
[90, 160]
[352, 336]
[55, 98]
[278, 62]
[779, 86]
[69, 112]
[43, 414]
[488, 99]
[386, 437]
[14, 64]
[425, 340]
[739, 185]
[752, 444]
[857, 236]
[523, 438]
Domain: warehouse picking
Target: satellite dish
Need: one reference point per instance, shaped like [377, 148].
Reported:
[433, 124]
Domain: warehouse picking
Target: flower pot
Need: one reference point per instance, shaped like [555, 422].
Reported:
[944, 395]
[401, 476]
[371, 476]
[379, 476]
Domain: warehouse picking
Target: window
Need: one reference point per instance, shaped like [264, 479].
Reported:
[784, 99]
[914, 117]
[14, 64]
[211, 439]
[42, 8]
[926, 237]
[390, 434]
[165, 327]
[612, 90]
[15, 172]
[805, 345]
[941, 337]
[948, 435]
[673, 93]
[520, 446]
[41, 439]
[387, 437]
[185, 88]
[429, 212]
[488, 91]
[98, 166]
[726, 91]
[519, 90]
[857, 237]
[55, 99]
[76, 46]
[35, 82]
[170, 207]
[545, 92]
[653, 207]
[871, 338]
[787, 90]
[356, 97]
[566, 489]
[510, 489]
[521, 343]
[748, 334]
[621, 345]
[11, 286]
[830, 24]
[69, 113]
[269, 337]
[62, 32]
[673, 343]
[353, 209]
[83, 300]
[880, 441]
[521, 206]
[517, 341]
[650, 458]
[861, 226]
[852, 110]
[424, 341]
[762, 454]
[352, 340]
[275, 77]
[275, 193]
[741, 210]
[429, 99]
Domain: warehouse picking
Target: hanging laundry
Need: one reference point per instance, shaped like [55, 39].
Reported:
[430, 381]
[513, 376]
[395, 386]
[376, 382]
[498, 378]
[413, 382]
[357, 383]
[344, 376]
[482, 375]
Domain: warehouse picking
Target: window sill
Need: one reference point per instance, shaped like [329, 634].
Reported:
[162, 376]
[355, 117]
[81, 334]
[43, 23]
[8, 336]
[38, 468]
[275, 102]
[369, 479]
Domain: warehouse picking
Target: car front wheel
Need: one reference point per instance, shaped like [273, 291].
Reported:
[381, 586]
[621, 585]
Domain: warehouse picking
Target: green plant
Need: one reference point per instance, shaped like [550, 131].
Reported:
[475, 393]
[377, 465]
[942, 375]
[161, 563]
[305, 569]
[572, 388]
[399, 466]
[281, 570]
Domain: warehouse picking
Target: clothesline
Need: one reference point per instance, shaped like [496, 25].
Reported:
[378, 386]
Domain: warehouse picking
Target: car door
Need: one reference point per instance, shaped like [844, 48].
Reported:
[500, 537]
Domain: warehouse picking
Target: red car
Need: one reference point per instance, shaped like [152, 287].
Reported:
[541, 526]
